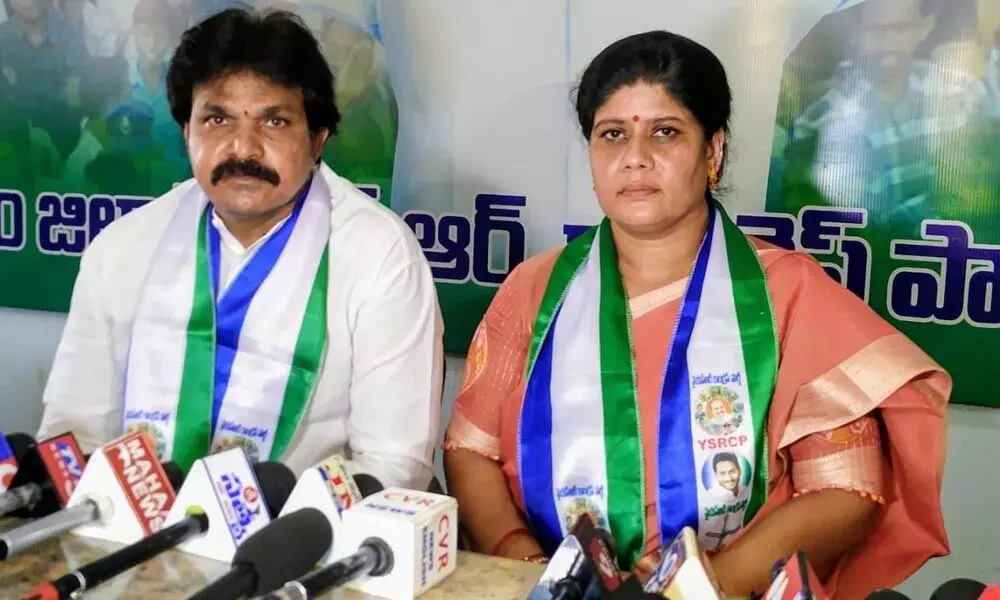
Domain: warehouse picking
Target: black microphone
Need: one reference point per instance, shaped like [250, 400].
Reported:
[285, 549]
[887, 595]
[959, 589]
[25, 493]
[373, 558]
[598, 551]
[46, 476]
[367, 484]
[276, 481]
[280, 482]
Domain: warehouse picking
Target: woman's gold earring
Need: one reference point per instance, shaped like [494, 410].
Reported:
[713, 179]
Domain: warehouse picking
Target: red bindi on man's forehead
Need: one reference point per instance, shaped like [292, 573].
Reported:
[635, 118]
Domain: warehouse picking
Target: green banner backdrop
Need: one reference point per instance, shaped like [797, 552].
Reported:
[866, 133]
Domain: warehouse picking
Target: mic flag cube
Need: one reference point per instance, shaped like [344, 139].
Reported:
[225, 487]
[64, 456]
[420, 528]
[129, 474]
[329, 488]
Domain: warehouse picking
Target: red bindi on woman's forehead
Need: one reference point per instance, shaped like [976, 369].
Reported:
[635, 118]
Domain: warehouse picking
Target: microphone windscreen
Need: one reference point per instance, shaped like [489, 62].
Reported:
[174, 475]
[367, 484]
[286, 549]
[887, 595]
[276, 483]
[958, 589]
[20, 444]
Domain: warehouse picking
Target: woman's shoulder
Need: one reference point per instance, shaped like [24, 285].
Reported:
[781, 261]
[799, 284]
[539, 266]
[529, 278]
[521, 293]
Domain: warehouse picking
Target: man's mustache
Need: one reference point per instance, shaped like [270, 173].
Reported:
[246, 168]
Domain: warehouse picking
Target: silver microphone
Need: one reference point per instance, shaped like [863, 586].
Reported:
[91, 509]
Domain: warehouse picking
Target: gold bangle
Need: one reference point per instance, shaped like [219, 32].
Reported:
[538, 558]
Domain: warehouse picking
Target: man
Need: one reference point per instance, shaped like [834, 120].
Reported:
[266, 303]
[885, 137]
[142, 148]
[42, 60]
[727, 477]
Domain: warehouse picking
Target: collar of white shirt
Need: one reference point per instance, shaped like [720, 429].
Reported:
[233, 254]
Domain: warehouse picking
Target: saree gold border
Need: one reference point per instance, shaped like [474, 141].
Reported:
[860, 383]
[859, 469]
[462, 433]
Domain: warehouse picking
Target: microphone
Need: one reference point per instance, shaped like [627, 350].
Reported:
[992, 592]
[88, 510]
[128, 472]
[598, 559]
[14, 448]
[10, 458]
[274, 487]
[273, 478]
[48, 472]
[684, 572]
[225, 485]
[886, 595]
[420, 530]
[98, 505]
[329, 487]
[567, 563]
[794, 579]
[367, 484]
[84, 509]
[283, 550]
[373, 559]
[960, 589]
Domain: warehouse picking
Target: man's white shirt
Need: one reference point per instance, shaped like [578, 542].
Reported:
[378, 397]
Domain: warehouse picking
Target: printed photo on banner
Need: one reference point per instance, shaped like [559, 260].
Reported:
[884, 167]
[86, 132]
[885, 106]
[726, 475]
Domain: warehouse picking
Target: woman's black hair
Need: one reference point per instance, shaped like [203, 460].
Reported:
[276, 45]
[688, 71]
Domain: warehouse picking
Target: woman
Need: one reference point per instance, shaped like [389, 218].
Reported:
[590, 378]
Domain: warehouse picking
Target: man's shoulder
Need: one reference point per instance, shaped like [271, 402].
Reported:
[817, 113]
[141, 227]
[366, 227]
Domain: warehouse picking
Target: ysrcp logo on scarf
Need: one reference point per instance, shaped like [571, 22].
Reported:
[719, 410]
[578, 500]
[229, 442]
[237, 435]
[146, 421]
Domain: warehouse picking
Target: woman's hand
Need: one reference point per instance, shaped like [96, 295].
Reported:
[823, 524]
[485, 506]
